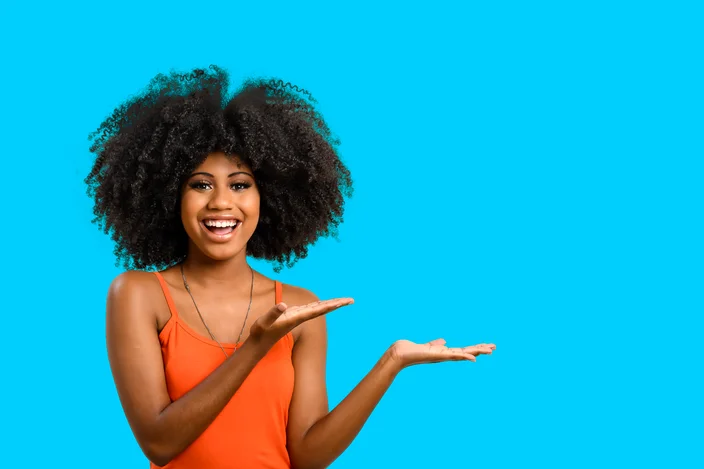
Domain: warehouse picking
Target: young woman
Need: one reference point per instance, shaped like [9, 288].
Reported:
[216, 365]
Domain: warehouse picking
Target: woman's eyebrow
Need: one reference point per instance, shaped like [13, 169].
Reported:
[240, 172]
[229, 175]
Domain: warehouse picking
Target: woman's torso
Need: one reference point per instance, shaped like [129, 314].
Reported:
[250, 432]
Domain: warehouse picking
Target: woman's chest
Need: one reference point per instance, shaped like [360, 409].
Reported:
[189, 360]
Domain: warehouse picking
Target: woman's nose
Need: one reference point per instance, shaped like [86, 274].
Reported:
[221, 199]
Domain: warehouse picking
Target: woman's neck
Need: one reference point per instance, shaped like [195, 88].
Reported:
[208, 273]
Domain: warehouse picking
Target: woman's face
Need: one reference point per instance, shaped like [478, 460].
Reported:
[220, 206]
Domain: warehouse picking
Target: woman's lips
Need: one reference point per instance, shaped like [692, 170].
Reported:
[220, 234]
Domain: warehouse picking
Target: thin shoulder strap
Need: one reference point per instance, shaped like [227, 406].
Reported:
[279, 291]
[167, 295]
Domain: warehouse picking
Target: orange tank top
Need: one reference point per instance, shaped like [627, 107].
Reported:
[250, 432]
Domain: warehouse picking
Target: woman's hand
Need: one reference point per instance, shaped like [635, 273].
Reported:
[407, 353]
[281, 319]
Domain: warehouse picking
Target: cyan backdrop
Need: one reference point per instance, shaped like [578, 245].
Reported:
[526, 173]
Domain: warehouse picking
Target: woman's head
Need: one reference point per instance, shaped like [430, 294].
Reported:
[220, 206]
[142, 180]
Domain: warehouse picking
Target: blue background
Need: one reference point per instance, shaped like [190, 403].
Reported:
[526, 173]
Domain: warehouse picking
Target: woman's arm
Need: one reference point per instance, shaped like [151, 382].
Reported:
[317, 437]
[163, 428]
[332, 434]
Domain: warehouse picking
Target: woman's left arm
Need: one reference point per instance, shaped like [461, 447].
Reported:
[317, 437]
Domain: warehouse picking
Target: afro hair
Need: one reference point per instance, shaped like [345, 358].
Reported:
[148, 146]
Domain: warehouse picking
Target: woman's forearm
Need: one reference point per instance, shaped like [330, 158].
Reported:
[332, 434]
[185, 419]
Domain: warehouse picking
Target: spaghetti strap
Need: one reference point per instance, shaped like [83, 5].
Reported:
[279, 291]
[167, 294]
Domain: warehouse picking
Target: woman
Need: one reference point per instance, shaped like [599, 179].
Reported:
[216, 365]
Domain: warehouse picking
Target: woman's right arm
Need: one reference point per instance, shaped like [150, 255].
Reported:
[163, 428]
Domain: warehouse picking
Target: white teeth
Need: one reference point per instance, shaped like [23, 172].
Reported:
[220, 223]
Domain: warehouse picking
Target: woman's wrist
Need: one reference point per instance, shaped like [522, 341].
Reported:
[255, 348]
[394, 360]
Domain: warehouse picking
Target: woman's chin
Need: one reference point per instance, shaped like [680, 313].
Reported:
[222, 252]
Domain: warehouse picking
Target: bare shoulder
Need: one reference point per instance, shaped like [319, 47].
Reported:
[296, 296]
[132, 292]
[131, 282]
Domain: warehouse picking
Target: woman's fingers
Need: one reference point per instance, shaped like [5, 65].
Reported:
[479, 349]
[269, 318]
[441, 353]
[299, 314]
[437, 342]
[281, 318]
[436, 351]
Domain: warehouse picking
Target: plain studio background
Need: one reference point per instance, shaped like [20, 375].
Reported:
[528, 174]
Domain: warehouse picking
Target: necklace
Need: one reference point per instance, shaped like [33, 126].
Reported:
[188, 289]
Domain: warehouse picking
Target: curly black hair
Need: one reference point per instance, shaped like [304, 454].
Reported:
[148, 146]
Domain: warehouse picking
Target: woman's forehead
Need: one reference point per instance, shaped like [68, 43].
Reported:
[222, 163]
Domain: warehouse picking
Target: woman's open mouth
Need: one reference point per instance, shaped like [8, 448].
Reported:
[220, 229]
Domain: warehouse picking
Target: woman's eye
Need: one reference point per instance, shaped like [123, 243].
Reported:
[200, 185]
[240, 186]
[204, 185]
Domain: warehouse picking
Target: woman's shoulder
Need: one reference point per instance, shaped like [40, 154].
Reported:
[135, 297]
[294, 295]
[133, 280]
[134, 285]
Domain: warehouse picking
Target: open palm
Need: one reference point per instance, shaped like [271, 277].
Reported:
[281, 319]
[410, 353]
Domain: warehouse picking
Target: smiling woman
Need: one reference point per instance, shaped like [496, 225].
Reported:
[150, 144]
[220, 206]
[189, 181]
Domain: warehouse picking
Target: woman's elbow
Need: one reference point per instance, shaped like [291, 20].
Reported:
[157, 453]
